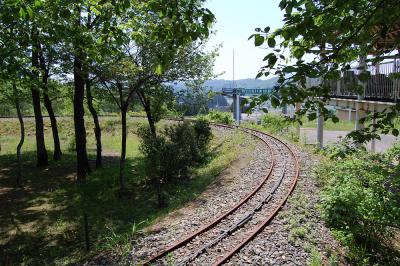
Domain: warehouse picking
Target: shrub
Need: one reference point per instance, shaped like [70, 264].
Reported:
[71, 144]
[360, 200]
[274, 123]
[203, 134]
[220, 117]
[342, 149]
[170, 154]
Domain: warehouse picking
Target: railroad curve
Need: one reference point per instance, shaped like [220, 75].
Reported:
[217, 241]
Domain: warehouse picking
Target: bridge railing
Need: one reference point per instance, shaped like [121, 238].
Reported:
[243, 91]
[381, 84]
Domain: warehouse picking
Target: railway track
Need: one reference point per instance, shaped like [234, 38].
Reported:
[216, 242]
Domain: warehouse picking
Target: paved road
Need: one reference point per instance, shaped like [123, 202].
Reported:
[309, 135]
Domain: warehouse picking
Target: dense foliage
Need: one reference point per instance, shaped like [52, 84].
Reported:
[275, 123]
[361, 199]
[170, 154]
[220, 117]
[321, 38]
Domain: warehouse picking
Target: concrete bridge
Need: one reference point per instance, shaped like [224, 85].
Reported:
[380, 92]
[239, 93]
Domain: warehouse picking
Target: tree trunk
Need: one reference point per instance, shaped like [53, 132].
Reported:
[49, 107]
[122, 181]
[97, 129]
[79, 122]
[47, 103]
[22, 137]
[41, 152]
[152, 124]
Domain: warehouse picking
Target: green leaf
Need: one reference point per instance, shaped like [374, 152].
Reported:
[271, 42]
[395, 132]
[275, 102]
[258, 40]
[312, 116]
[363, 77]
[272, 60]
[298, 52]
[266, 29]
[259, 74]
[22, 13]
[335, 119]
[30, 11]
[159, 69]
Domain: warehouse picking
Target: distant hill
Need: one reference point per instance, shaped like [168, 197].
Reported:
[218, 84]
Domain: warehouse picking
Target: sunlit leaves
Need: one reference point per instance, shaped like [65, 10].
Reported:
[318, 40]
[258, 40]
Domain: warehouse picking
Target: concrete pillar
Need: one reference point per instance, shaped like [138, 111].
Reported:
[234, 106]
[373, 141]
[284, 109]
[360, 113]
[320, 130]
[338, 87]
[363, 68]
[297, 108]
[395, 82]
[237, 115]
[373, 128]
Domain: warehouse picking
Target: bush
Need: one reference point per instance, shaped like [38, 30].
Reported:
[170, 155]
[71, 144]
[361, 199]
[342, 149]
[220, 117]
[274, 123]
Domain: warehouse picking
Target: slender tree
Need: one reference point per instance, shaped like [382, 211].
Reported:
[45, 74]
[97, 128]
[41, 152]
[151, 54]
[19, 179]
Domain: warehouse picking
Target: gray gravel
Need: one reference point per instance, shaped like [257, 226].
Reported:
[211, 204]
[295, 233]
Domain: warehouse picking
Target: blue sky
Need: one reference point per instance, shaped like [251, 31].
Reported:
[236, 21]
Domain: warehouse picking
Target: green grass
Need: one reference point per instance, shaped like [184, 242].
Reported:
[43, 224]
[342, 125]
[316, 259]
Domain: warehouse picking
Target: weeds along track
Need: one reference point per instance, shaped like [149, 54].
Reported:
[216, 242]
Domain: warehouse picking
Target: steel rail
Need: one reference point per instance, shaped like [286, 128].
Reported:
[240, 223]
[230, 211]
[260, 227]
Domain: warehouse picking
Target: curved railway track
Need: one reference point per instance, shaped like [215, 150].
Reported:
[216, 242]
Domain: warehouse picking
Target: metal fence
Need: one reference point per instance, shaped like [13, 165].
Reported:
[381, 85]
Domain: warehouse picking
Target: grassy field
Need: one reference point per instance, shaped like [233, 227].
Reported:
[43, 224]
[342, 125]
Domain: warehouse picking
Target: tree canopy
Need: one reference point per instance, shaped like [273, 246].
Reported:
[319, 39]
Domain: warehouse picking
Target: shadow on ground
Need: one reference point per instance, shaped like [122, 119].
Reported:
[43, 222]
